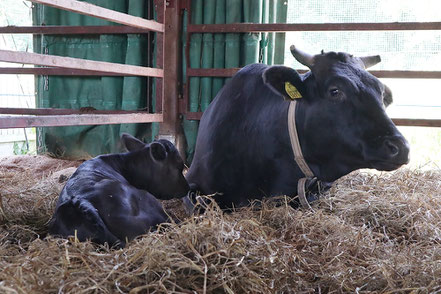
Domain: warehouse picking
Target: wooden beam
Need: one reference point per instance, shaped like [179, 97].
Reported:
[303, 27]
[412, 122]
[7, 122]
[56, 71]
[160, 7]
[62, 111]
[103, 13]
[171, 125]
[71, 30]
[78, 63]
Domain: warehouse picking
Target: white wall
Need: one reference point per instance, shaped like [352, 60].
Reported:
[15, 90]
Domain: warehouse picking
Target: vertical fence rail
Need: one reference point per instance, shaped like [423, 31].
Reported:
[160, 4]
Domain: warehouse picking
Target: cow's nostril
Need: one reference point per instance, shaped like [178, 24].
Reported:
[393, 149]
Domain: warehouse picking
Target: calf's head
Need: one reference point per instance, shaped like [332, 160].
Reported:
[341, 118]
[156, 167]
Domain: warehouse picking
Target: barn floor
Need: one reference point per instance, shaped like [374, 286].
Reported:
[372, 233]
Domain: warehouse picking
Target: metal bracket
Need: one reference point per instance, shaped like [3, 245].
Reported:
[170, 4]
[170, 138]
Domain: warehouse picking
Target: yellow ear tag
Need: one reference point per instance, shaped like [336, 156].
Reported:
[292, 91]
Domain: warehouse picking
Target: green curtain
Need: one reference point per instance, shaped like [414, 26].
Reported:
[228, 50]
[102, 93]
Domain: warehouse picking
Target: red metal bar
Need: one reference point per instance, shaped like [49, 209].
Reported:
[185, 4]
[203, 72]
[72, 30]
[406, 74]
[57, 71]
[7, 122]
[225, 28]
[289, 27]
[401, 74]
[62, 111]
[211, 72]
[193, 115]
[186, 87]
[398, 121]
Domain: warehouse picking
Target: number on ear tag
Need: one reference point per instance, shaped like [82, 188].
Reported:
[292, 91]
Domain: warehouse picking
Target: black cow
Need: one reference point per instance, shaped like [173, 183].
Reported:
[243, 149]
[111, 198]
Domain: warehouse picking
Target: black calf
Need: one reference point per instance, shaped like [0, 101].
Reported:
[111, 198]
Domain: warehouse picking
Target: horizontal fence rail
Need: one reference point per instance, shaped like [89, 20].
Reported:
[301, 27]
[63, 111]
[103, 13]
[78, 63]
[57, 71]
[80, 119]
[402, 74]
[72, 30]
[59, 65]
[410, 122]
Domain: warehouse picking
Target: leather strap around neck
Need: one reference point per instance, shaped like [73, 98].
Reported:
[298, 156]
[295, 143]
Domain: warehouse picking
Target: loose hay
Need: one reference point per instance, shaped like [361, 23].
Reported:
[377, 233]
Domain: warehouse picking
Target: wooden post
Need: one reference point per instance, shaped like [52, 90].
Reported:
[170, 127]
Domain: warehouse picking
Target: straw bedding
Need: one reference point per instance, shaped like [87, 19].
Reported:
[371, 233]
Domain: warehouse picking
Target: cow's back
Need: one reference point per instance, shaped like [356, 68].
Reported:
[240, 134]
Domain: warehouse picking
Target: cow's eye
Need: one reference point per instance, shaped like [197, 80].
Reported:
[334, 92]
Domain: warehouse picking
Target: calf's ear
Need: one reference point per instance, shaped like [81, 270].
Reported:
[157, 151]
[131, 143]
[284, 81]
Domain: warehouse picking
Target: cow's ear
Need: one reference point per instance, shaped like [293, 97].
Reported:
[158, 152]
[131, 143]
[387, 96]
[284, 81]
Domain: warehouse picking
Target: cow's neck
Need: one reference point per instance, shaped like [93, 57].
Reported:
[325, 169]
[133, 168]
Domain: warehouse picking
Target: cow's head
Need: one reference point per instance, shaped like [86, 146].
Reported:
[341, 116]
[156, 167]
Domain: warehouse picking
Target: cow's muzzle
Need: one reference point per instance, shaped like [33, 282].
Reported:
[395, 153]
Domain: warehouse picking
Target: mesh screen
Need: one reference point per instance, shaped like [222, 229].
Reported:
[336, 11]
[399, 50]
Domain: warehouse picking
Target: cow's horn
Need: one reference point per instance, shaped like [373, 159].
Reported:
[302, 57]
[369, 61]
